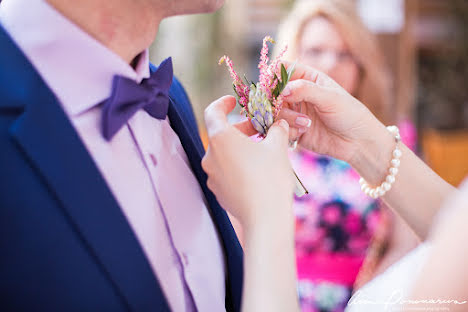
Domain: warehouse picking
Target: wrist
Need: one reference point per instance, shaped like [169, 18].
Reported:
[279, 219]
[373, 155]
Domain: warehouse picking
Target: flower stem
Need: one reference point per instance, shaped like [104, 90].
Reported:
[299, 188]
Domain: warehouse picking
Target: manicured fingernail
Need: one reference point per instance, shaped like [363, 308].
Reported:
[303, 121]
[283, 123]
[286, 91]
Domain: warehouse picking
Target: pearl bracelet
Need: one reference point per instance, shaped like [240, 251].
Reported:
[390, 178]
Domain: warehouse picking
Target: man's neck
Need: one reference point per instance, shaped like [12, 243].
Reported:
[125, 27]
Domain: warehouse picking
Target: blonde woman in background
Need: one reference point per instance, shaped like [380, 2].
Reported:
[340, 232]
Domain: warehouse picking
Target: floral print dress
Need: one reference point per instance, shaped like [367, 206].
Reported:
[335, 224]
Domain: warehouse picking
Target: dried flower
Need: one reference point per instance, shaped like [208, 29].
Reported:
[261, 102]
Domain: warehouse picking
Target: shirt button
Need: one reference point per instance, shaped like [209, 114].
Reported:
[185, 259]
[153, 160]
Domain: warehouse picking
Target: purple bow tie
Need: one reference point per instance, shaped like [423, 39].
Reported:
[128, 97]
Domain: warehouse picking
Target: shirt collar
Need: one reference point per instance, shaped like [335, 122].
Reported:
[77, 68]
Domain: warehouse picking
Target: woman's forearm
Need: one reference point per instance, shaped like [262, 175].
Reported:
[417, 193]
[269, 265]
[401, 240]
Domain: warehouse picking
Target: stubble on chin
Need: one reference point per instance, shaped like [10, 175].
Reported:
[182, 7]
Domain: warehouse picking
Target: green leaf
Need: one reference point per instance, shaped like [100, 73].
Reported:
[281, 88]
[291, 70]
[276, 90]
[235, 91]
[284, 75]
[246, 80]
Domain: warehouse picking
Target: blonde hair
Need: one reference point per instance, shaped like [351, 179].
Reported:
[374, 85]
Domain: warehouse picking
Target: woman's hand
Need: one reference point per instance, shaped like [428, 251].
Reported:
[252, 180]
[342, 127]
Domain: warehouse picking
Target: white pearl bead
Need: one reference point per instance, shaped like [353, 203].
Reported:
[395, 163]
[386, 186]
[390, 179]
[392, 129]
[397, 153]
[393, 171]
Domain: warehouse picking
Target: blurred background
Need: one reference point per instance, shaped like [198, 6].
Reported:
[424, 43]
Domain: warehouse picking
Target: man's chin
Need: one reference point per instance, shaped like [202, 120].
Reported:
[217, 5]
[202, 6]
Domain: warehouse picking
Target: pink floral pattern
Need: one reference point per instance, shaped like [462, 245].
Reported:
[336, 218]
[335, 224]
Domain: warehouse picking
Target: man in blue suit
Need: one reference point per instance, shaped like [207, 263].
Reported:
[103, 202]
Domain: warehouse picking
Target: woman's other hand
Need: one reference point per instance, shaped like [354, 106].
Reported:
[252, 180]
[342, 127]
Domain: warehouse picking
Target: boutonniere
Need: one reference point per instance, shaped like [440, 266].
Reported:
[262, 101]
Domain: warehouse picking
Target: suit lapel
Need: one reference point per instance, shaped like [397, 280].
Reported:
[180, 123]
[48, 140]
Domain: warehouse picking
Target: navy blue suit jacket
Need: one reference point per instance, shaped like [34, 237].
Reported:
[65, 244]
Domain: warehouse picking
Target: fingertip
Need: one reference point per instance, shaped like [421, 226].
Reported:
[246, 127]
[226, 103]
[278, 131]
[216, 114]
[231, 99]
[284, 124]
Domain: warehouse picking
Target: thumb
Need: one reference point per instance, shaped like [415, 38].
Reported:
[278, 133]
[216, 114]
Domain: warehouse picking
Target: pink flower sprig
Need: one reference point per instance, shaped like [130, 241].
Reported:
[261, 102]
[269, 73]
[265, 78]
[242, 90]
